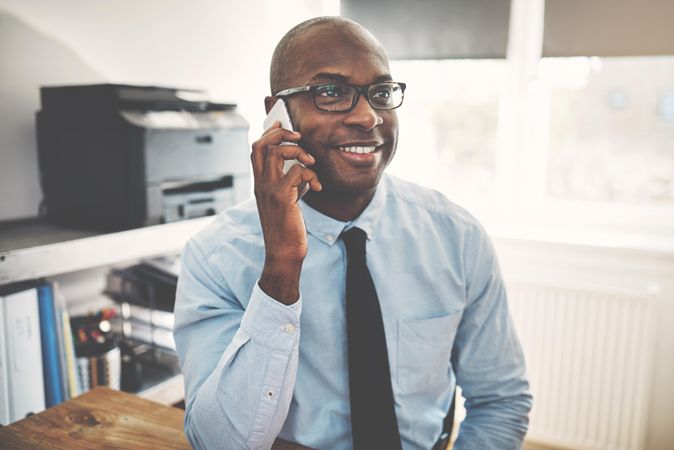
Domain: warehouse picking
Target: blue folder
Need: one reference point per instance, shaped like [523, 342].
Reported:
[51, 359]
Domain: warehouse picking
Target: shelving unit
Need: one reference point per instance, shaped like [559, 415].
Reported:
[32, 249]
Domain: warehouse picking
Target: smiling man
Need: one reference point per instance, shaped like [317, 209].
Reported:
[345, 319]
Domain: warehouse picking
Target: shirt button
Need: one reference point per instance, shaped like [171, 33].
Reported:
[270, 393]
[289, 328]
[329, 237]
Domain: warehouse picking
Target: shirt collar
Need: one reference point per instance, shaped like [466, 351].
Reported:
[327, 229]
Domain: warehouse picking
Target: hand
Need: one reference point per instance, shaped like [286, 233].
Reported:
[276, 193]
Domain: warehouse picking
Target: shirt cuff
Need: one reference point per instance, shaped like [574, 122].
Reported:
[271, 323]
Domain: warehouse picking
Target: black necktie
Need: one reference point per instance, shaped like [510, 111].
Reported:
[373, 418]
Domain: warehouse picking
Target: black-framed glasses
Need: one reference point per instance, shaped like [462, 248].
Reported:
[340, 97]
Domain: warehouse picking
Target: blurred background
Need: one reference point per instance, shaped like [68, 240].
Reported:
[551, 121]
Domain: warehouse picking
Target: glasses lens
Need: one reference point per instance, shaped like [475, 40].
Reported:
[334, 97]
[385, 95]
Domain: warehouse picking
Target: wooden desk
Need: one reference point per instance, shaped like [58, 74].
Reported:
[104, 418]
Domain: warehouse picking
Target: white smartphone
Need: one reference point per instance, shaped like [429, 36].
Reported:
[279, 112]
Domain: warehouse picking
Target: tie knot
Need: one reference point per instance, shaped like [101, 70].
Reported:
[354, 240]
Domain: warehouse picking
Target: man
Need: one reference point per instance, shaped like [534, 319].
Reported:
[269, 271]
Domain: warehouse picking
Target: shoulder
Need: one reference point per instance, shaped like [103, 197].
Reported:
[428, 205]
[237, 223]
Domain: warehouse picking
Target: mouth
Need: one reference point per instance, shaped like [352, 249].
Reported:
[361, 154]
[359, 149]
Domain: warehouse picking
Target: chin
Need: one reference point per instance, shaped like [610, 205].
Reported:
[352, 186]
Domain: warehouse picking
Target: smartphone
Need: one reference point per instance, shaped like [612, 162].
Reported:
[279, 112]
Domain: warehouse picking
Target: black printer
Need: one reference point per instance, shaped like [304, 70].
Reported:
[115, 157]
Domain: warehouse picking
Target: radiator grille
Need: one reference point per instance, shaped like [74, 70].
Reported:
[589, 357]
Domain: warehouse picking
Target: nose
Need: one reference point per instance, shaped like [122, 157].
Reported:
[363, 115]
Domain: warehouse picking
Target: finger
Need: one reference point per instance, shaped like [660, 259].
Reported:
[297, 175]
[273, 161]
[276, 156]
[293, 152]
[305, 157]
[257, 160]
[275, 136]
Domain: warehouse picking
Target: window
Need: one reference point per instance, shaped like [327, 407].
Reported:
[449, 125]
[611, 129]
[580, 142]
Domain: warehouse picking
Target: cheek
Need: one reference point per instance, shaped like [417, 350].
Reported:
[395, 142]
[312, 140]
[316, 135]
[392, 120]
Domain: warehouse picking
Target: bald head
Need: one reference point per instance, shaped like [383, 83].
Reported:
[320, 32]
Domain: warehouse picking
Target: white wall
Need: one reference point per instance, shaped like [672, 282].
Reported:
[221, 46]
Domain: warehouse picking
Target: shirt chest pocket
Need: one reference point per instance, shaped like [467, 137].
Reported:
[424, 352]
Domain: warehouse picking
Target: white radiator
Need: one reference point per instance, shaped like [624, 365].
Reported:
[589, 357]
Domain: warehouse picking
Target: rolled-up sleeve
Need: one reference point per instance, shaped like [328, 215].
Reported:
[239, 364]
[487, 357]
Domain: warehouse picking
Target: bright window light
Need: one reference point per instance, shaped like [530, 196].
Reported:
[611, 129]
[448, 125]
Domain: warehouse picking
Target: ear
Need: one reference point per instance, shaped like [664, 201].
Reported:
[269, 103]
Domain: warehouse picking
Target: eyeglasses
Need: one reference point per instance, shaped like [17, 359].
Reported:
[338, 97]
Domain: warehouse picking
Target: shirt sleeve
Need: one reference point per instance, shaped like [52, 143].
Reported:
[487, 357]
[239, 364]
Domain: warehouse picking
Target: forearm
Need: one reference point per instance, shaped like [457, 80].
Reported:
[244, 401]
[497, 424]
[491, 372]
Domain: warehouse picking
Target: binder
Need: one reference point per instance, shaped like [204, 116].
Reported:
[69, 376]
[148, 316]
[23, 351]
[143, 285]
[146, 333]
[4, 380]
[51, 353]
[75, 387]
[83, 377]
[60, 310]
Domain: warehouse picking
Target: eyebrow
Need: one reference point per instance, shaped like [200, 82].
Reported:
[343, 79]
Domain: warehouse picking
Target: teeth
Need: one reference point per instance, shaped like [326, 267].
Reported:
[357, 149]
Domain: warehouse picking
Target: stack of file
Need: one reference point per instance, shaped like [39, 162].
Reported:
[146, 295]
[37, 356]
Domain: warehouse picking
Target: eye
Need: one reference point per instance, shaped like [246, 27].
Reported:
[382, 92]
[331, 91]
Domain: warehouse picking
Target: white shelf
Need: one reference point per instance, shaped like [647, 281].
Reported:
[168, 392]
[33, 249]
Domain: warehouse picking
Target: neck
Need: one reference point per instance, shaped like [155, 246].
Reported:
[339, 205]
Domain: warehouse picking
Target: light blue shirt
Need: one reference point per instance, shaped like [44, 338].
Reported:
[256, 369]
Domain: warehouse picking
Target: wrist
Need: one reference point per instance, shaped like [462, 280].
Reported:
[281, 280]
